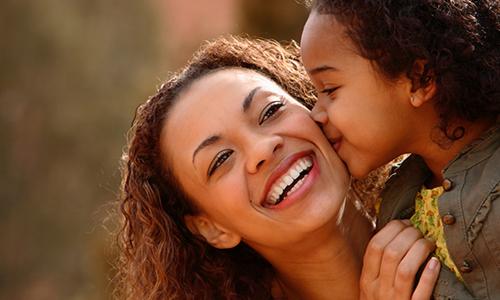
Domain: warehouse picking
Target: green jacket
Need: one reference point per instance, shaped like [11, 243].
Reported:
[469, 212]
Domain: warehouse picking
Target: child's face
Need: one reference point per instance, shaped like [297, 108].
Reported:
[365, 118]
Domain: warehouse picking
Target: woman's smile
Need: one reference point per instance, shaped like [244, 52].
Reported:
[252, 158]
[295, 175]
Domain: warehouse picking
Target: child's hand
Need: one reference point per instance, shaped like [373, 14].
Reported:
[392, 259]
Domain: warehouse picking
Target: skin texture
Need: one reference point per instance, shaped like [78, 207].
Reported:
[253, 151]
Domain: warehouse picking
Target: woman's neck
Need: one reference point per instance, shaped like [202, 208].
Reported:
[331, 266]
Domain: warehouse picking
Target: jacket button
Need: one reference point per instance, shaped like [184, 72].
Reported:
[449, 219]
[447, 184]
[465, 268]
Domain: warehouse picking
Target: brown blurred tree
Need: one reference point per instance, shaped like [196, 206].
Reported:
[71, 74]
[278, 19]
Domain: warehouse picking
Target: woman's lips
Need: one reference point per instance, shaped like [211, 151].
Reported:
[295, 190]
[290, 181]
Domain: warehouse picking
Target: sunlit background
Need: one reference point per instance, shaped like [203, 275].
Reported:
[72, 73]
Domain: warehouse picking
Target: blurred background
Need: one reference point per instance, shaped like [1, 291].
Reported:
[72, 73]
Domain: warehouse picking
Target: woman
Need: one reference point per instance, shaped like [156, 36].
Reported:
[231, 190]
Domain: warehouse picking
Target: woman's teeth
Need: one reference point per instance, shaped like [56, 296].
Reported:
[290, 182]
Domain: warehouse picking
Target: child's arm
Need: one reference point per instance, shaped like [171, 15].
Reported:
[392, 260]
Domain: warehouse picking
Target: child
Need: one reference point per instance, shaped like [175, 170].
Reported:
[420, 77]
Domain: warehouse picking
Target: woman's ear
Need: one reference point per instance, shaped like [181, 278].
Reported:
[215, 235]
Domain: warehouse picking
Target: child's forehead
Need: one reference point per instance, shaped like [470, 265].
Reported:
[322, 33]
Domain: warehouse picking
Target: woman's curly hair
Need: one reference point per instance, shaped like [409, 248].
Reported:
[160, 257]
[452, 43]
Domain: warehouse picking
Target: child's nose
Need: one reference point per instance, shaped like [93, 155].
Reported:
[319, 115]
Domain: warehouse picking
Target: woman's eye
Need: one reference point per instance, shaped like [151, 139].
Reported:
[270, 110]
[328, 91]
[219, 160]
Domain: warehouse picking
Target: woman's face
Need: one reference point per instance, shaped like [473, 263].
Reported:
[252, 159]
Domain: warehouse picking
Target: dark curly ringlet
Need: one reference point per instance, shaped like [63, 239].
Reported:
[160, 258]
[457, 41]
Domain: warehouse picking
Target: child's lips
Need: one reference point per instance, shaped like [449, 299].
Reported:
[335, 143]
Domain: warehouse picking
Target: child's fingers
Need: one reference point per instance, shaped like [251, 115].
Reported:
[391, 262]
[409, 266]
[427, 280]
[371, 281]
[401, 261]
[377, 245]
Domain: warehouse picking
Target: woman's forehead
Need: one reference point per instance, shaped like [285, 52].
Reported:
[210, 103]
[223, 86]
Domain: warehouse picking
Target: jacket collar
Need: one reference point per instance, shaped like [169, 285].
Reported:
[478, 150]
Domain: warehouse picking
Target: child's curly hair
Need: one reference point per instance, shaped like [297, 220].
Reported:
[457, 41]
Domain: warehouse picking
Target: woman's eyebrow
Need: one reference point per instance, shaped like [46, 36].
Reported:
[213, 139]
[207, 142]
[249, 99]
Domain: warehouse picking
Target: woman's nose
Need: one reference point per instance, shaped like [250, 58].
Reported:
[261, 150]
[319, 115]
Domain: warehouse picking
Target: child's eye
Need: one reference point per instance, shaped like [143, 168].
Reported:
[219, 160]
[328, 91]
[270, 110]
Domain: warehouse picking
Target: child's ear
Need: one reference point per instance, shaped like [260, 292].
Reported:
[215, 235]
[423, 93]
